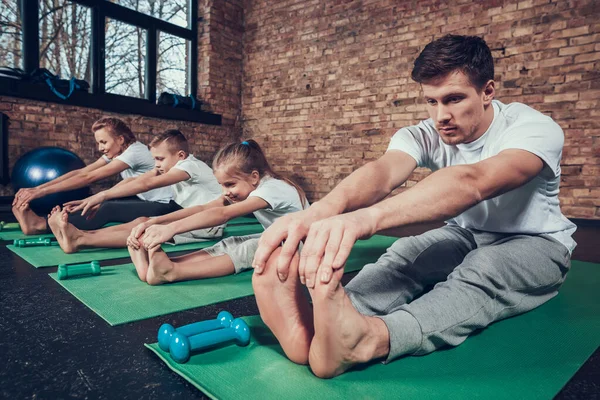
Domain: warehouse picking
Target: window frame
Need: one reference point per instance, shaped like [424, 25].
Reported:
[98, 97]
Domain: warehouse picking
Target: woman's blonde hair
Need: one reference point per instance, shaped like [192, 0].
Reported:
[116, 128]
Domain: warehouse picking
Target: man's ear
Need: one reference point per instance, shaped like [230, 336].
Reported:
[489, 92]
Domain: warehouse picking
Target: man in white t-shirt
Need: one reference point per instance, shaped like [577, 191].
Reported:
[505, 249]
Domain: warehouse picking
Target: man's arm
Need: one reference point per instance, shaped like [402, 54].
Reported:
[443, 194]
[364, 187]
[369, 184]
[450, 191]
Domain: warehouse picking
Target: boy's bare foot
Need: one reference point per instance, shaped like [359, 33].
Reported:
[140, 259]
[285, 309]
[343, 336]
[67, 235]
[30, 222]
[160, 268]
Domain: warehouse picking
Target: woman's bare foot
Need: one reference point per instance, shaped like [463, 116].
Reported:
[30, 222]
[160, 268]
[140, 260]
[343, 336]
[285, 309]
[67, 235]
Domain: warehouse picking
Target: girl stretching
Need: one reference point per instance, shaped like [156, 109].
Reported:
[249, 186]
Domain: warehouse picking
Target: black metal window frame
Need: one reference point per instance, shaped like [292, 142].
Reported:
[99, 98]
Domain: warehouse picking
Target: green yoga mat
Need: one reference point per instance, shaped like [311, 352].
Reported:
[51, 256]
[13, 231]
[531, 356]
[118, 296]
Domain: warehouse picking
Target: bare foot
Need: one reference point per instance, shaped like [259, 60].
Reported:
[54, 211]
[160, 269]
[343, 336]
[285, 309]
[140, 260]
[30, 222]
[67, 235]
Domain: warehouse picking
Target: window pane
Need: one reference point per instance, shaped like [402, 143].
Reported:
[172, 65]
[11, 53]
[173, 11]
[65, 34]
[125, 59]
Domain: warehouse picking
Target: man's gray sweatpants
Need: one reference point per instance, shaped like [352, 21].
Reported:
[479, 278]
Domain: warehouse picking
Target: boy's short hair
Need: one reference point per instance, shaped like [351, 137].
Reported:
[468, 54]
[174, 139]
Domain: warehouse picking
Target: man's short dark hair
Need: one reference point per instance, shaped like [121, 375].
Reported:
[468, 54]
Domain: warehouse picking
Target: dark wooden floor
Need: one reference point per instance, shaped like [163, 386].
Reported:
[53, 347]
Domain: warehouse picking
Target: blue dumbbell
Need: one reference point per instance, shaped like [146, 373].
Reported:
[69, 271]
[37, 242]
[181, 346]
[8, 226]
[166, 331]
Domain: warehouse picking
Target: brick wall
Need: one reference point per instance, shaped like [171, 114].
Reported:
[34, 124]
[326, 84]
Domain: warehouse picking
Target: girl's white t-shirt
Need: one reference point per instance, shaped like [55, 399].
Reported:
[282, 197]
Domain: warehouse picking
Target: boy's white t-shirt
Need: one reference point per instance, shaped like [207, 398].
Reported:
[282, 197]
[530, 209]
[140, 160]
[202, 187]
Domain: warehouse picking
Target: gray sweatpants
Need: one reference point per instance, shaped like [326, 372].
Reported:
[477, 278]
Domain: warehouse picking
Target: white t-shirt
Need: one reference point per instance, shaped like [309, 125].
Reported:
[201, 187]
[282, 197]
[530, 209]
[140, 160]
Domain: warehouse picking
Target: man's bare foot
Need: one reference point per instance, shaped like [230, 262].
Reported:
[30, 222]
[140, 260]
[67, 235]
[343, 336]
[285, 309]
[160, 268]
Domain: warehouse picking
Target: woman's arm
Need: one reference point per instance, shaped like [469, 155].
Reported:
[26, 195]
[85, 178]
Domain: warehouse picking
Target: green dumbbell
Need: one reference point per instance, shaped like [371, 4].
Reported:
[37, 242]
[8, 226]
[69, 271]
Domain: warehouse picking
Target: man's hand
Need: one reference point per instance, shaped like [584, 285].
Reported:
[156, 235]
[86, 204]
[329, 242]
[292, 229]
